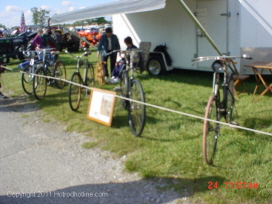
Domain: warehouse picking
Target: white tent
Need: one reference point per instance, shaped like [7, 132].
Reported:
[125, 7]
[117, 7]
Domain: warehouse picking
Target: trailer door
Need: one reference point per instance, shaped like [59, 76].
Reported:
[213, 15]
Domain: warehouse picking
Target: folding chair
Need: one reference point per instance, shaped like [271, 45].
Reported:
[239, 80]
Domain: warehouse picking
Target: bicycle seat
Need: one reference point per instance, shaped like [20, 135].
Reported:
[87, 53]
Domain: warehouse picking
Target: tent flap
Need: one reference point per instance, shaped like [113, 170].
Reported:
[117, 7]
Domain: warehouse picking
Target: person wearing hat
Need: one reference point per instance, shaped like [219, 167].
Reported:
[29, 30]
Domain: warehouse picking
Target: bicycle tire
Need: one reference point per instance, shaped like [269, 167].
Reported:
[229, 100]
[60, 72]
[74, 91]
[136, 111]
[124, 88]
[89, 75]
[211, 129]
[39, 84]
[27, 81]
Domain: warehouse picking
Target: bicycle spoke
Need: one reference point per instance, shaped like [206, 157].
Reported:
[39, 84]
[74, 92]
[60, 72]
[136, 111]
[211, 130]
[89, 75]
[27, 81]
[124, 88]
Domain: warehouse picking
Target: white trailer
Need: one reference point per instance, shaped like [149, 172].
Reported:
[222, 27]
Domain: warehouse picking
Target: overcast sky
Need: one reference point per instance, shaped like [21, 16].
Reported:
[11, 10]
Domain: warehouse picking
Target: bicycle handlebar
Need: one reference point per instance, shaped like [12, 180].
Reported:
[28, 53]
[84, 54]
[126, 52]
[223, 58]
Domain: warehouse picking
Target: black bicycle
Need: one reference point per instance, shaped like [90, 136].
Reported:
[51, 66]
[75, 91]
[216, 108]
[132, 89]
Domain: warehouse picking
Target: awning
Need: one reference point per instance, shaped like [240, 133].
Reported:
[117, 7]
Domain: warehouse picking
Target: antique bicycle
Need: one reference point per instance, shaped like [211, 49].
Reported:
[75, 91]
[217, 108]
[131, 88]
[51, 66]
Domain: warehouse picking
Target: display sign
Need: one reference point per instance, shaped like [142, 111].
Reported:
[101, 106]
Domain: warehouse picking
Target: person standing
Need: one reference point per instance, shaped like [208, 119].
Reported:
[108, 43]
[45, 38]
[38, 41]
[2, 96]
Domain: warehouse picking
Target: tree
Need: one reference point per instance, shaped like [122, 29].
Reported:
[40, 16]
[99, 21]
[2, 26]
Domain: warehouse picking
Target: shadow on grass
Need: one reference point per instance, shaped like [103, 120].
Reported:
[160, 140]
[184, 76]
[18, 104]
[195, 77]
[256, 124]
[154, 190]
[54, 99]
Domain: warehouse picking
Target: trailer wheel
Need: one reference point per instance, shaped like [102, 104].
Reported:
[155, 66]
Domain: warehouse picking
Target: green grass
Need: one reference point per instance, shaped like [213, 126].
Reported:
[171, 144]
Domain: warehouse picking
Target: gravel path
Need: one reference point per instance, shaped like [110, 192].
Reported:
[41, 163]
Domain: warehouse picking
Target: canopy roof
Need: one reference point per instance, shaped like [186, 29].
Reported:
[117, 7]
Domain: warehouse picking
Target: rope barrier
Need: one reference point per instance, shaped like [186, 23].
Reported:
[158, 107]
[6, 68]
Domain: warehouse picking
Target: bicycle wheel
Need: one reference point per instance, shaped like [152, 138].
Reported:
[74, 91]
[124, 88]
[59, 72]
[211, 129]
[39, 84]
[89, 75]
[229, 100]
[27, 81]
[136, 111]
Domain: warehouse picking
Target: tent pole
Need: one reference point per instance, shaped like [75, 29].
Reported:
[187, 9]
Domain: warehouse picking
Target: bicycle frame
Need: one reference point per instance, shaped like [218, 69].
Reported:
[216, 108]
[131, 88]
[79, 60]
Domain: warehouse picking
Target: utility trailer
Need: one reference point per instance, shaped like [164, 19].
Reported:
[190, 28]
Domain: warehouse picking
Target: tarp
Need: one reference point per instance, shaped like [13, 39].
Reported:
[117, 7]
[255, 8]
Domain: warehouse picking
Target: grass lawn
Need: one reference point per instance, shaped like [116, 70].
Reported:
[171, 144]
